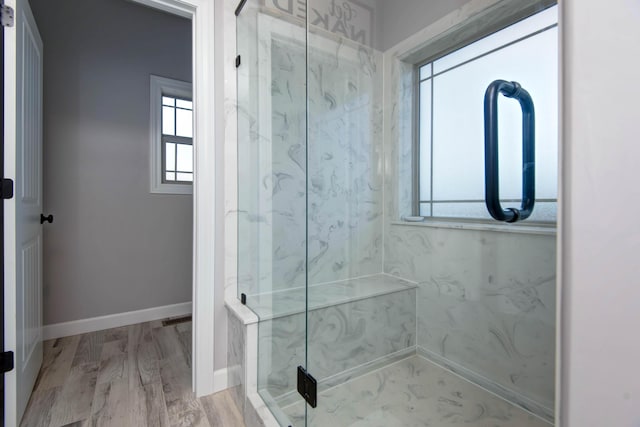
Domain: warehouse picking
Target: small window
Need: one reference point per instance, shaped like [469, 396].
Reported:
[450, 131]
[171, 136]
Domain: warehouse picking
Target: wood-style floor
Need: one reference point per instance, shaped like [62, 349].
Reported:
[138, 375]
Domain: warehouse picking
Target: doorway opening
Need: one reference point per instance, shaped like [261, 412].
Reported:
[111, 251]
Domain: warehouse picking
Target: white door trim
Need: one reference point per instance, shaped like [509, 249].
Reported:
[201, 13]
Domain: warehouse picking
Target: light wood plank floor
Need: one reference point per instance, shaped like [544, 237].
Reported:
[138, 375]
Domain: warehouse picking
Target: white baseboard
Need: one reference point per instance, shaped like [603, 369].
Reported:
[220, 380]
[82, 326]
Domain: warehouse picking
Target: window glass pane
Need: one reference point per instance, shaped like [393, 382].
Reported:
[168, 121]
[425, 71]
[510, 145]
[170, 176]
[184, 124]
[542, 212]
[425, 140]
[493, 41]
[461, 210]
[184, 176]
[170, 156]
[182, 103]
[185, 158]
[458, 124]
[458, 150]
[168, 101]
[425, 209]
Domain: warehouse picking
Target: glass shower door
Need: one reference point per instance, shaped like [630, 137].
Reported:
[271, 77]
[358, 318]
[418, 302]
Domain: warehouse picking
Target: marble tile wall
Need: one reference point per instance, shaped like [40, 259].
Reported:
[236, 342]
[341, 337]
[486, 299]
[398, 138]
[345, 172]
[322, 169]
[285, 178]
[242, 363]
[247, 133]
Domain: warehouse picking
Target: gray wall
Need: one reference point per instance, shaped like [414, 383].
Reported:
[113, 246]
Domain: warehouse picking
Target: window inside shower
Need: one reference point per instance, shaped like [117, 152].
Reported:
[449, 137]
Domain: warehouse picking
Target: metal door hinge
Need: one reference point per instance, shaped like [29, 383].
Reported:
[6, 361]
[7, 16]
[6, 188]
[238, 61]
[307, 387]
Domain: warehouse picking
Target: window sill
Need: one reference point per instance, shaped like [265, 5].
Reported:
[172, 189]
[544, 230]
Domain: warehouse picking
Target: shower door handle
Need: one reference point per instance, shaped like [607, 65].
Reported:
[491, 153]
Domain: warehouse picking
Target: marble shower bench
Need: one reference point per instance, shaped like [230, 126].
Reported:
[284, 303]
[355, 326]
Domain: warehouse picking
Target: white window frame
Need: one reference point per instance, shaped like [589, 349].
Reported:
[174, 88]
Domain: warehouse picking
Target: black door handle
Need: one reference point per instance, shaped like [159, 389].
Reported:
[491, 168]
[44, 219]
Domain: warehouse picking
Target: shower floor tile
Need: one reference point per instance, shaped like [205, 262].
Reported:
[410, 393]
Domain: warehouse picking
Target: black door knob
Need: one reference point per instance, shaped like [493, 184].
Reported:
[44, 219]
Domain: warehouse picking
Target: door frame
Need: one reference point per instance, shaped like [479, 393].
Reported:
[204, 76]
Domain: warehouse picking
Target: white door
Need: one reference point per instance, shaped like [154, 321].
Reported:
[23, 231]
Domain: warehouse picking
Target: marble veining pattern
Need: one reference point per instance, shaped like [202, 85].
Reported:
[398, 139]
[340, 337]
[248, 135]
[319, 172]
[345, 179]
[411, 393]
[284, 179]
[486, 301]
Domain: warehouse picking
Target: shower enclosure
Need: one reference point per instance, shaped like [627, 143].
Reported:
[370, 172]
